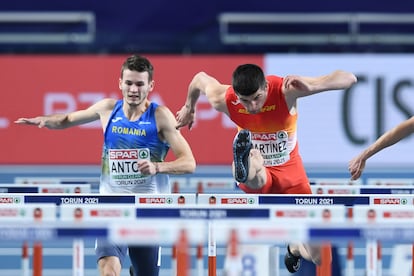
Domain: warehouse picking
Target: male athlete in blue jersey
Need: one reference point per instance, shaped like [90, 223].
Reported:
[137, 136]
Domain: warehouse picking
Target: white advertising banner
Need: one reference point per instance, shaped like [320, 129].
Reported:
[335, 126]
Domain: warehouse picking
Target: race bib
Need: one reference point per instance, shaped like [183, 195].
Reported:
[123, 166]
[274, 147]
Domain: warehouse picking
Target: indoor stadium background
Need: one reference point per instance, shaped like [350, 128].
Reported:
[62, 56]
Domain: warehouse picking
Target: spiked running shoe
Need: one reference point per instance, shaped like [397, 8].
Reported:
[292, 262]
[241, 148]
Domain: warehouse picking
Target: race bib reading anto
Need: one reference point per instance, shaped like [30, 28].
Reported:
[274, 147]
[123, 166]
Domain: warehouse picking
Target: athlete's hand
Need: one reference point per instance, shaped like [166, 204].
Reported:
[38, 121]
[296, 83]
[185, 117]
[356, 166]
[147, 167]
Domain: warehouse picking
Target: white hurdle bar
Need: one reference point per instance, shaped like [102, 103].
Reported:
[167, 232]
[181, 208]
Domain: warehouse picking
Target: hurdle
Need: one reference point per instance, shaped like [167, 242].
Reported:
[78, 257]
[37, 259]
[379, 258]
[200, 262]
[174, 259]
[69, 205]
[373, 187]
[212, 251]
[13, 210]
[264, 231]
[165, 232]
[232, 266]
[343, 199]
[324, 269]
[182, 254]
[25, 259]
[28, 187]
[349, 266]
[239, 207]
[256, 200]
[217, 213]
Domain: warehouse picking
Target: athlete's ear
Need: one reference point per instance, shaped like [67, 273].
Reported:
[266, 86]
[120, 83]
[152, 85]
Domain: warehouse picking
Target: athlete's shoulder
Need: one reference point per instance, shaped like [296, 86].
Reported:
[229, 91]
[275, 83]
[274, 79]
[164, 118]
[109, 102]
[104, 105]
[161, 110]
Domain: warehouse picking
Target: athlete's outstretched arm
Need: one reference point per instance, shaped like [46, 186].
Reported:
[301, 86]
[389, 138]
[205, 84]
[61, 121]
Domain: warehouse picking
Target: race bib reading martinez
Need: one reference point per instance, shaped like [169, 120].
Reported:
[123, 166]
[274, 147]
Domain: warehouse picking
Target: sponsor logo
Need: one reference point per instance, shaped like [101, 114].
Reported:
[53, 190]
[292, 213]
[218, 184]
[123, 154]
[257, 232]
[6, 200]
[9, 213]
[234, 200]
[264, 109]
[341, 191]
[236, 102]
[237, 200]
[264, 136]
[398, 214]
[390, 201]
[116, 119]
[155, 200]
[107, 213]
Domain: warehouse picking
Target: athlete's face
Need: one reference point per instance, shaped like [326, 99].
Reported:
[254, 103]
[135, 86]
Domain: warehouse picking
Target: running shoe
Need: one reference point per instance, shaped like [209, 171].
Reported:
[292, 262]
[241, 148]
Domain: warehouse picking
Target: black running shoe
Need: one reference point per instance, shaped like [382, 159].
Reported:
[241, 148]
[292, 262]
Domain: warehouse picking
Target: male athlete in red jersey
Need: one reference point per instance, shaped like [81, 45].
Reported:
[265, 150]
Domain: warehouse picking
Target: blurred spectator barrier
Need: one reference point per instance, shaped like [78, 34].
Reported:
[316, 28]
[47, 27]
